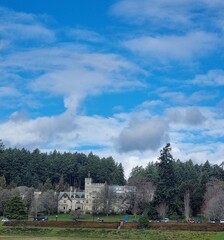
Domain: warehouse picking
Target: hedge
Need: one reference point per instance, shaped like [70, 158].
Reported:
[62, 224]
[217, 227]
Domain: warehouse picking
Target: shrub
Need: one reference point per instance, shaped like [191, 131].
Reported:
[143, 222]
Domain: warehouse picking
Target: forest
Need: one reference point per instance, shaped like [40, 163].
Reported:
[180, 188]
[21, 167]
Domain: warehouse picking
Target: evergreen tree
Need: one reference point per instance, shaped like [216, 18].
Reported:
[15, 209]
[61, 186]
[165, 194]
[143, 222]
[2, 182]
[2, 146]
[47, 185]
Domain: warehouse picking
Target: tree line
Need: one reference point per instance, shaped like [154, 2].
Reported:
[167, 187]
[21, 167]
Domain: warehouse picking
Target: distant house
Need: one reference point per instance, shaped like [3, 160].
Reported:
[68, 201]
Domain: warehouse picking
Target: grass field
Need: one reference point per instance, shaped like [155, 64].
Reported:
[19, 233]
[37, 233]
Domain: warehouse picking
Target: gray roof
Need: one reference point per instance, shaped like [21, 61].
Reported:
[72, 195]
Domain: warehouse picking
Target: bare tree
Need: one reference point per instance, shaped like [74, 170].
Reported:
[214, 199]
[162, 210]
[45, 202]
[215, 207]
[105, 199]
[141, 194]
[49, 201]
[187, 208]
[77, 213]
[27, 195]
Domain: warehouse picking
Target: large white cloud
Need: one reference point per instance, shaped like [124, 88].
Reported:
[174, 47]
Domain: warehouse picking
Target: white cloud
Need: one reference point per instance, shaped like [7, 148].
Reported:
[212, 78]
[180, 98]
[20, 131]
[183, 47]
[81, 75]
[70, 72]
[171, 14]
[150, 104]
[16, 26]
[9, 92]
[199, 153]
[85, 35]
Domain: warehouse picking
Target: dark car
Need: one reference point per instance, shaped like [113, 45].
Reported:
[40, 218]
[179, 220]
[75, 220]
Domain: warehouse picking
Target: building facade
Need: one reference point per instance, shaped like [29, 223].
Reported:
[86, 200]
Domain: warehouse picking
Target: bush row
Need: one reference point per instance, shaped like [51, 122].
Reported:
[62, 224]
[179, 226]
[113, 225]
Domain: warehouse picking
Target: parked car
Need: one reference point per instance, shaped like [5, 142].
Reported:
[191, 221]
[165, 220]
[157, 220]
[179, 220]
[100, 220]
[40, 218]
[75, 220]
[4, 219]
[212, 221]
[221, 220]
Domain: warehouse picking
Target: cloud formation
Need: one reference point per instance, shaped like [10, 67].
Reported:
[159, 65]
[142, 136]
[189, 46]
[20, 26]
[212, 78]
[190, 116]
[173, 14]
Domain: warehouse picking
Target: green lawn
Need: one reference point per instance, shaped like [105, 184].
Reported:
[19, 233]
[32, 233]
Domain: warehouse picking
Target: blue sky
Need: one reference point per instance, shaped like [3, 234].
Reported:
[118, 78]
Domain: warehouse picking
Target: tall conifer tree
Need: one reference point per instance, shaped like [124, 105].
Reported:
[165, 194]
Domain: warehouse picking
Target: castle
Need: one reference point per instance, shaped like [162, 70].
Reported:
[86, 200]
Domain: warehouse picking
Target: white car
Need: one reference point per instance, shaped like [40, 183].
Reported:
[4, 219]
[221, 221]
[165, 220]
